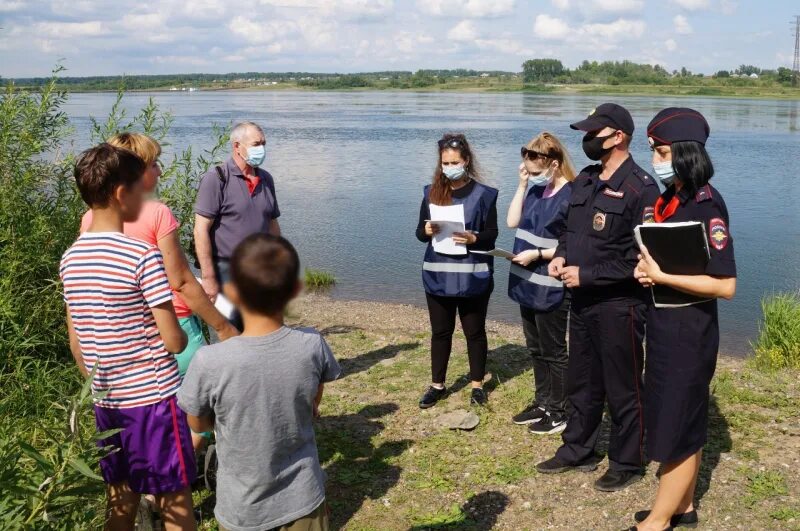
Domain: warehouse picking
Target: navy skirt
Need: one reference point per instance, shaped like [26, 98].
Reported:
[681, 357]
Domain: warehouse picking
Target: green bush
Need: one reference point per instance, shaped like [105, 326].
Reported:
[778, 342]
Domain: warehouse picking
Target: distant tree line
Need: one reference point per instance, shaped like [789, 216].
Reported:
[541, 71]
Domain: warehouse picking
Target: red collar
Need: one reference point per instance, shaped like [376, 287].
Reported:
[665, 211]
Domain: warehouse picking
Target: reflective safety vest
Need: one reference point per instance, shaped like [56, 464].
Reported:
[543, 221]
[466, 275]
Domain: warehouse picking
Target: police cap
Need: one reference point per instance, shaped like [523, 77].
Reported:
[678, 124]
[607, 115]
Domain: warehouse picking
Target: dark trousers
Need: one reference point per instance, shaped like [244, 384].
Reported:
[605, 362]
[472, 312]
[222, 269]
[546, 339]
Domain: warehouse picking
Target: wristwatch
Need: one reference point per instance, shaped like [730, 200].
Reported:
[540, 254]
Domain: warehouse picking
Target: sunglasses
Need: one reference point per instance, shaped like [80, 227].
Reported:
[533, 155]
[453, 142]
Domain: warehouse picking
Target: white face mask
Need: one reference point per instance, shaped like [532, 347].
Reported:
[665, 172]
[542, 178]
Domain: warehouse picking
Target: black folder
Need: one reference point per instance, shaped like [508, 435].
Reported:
[680, 249]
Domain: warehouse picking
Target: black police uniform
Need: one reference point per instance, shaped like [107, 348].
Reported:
[608, 311]
[682, 343]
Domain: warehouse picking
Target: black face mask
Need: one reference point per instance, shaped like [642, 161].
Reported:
[593, 146]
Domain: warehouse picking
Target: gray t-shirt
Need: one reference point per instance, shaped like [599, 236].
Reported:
[261, 391]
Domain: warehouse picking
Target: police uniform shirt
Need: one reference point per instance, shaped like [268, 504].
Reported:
[599, 238]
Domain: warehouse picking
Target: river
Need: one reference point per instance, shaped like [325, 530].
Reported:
[350, 167]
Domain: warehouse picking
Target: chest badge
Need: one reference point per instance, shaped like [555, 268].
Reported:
[611, 193]
[649, 215]
[718, 235]
[599, 221]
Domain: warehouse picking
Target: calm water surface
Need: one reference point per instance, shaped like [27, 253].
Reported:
[350, 167]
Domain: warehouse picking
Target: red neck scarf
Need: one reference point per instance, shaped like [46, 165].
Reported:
[664, 212]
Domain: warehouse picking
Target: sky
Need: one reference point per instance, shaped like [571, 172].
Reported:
[113, 37]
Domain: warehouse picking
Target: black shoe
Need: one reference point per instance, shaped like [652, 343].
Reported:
[634, 528]
[478, 397]
[548, 424]
[431, 396]
[678, 520]
[554, 465]
[614, 480]
[529, 415]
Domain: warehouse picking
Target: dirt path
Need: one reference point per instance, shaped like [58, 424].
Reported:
[390, 467]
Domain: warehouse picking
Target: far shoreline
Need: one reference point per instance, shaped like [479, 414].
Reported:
[663, 91]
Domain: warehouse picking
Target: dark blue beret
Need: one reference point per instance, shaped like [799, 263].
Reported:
[678, 124]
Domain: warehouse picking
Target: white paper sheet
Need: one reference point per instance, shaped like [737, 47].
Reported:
[222, 304]
[450, 219]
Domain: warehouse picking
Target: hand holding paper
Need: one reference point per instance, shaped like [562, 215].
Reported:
[449, 219]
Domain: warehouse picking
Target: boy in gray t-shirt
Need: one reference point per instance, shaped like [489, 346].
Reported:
[260, 392]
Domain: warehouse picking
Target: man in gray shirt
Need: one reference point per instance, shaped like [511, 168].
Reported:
[235, 199]
[260, 392]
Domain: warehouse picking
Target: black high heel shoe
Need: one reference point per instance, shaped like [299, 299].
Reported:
[688, 519]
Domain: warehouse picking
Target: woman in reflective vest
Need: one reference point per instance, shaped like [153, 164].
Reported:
[458, 283]
[540, 216]
[682, 342]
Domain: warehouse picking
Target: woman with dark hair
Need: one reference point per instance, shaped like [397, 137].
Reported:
[458, 284]
[682, 342]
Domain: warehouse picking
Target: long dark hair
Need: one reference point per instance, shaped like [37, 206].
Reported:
[692, 165]
[441, 193]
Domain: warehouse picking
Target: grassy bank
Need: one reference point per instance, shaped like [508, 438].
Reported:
[391, 468]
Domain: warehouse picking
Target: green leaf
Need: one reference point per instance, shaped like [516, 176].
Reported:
[34, 454]
[106, 434]
[81, 466]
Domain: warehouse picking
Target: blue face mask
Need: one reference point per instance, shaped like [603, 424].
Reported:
[664, 172]
[255, 156]
[453, 173]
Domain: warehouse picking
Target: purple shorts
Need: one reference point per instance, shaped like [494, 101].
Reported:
[155, 447]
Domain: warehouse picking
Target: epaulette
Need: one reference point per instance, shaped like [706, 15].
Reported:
[643, 176]
[703, 194]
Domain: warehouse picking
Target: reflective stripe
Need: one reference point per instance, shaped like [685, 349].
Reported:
[538, 241]
[444, 267]
[535, 278]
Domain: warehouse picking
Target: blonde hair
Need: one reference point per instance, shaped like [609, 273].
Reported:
[142, 145]
[547, 143]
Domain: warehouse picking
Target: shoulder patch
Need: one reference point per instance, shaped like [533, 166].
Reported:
[649, 215]
[703, 194]
[643, 176]
[611, 193]
[718, 234]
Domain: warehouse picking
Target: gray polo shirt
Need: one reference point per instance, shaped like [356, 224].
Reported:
[236, 212]
[261, 391]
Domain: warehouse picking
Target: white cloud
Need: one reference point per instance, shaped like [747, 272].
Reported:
[595, 36]
[463, 31]
[466, 8]
[670, 45]
[7, 6]
[349, 9]
[551, 28]
[563, 5]
[619, 6]
[728, 7]
[71, 30]
[693, 5]
[682, 25]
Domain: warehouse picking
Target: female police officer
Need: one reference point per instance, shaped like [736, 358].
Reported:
[540, 216]
[682, 342]
[458, 283]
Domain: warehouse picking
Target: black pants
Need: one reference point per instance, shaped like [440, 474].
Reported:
[605, 362]
[472, 312]
[222, 270]
[546, 339]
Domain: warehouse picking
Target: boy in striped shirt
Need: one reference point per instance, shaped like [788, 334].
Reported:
[122, 325]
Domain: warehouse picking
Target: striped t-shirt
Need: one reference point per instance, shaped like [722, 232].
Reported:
[110, 283]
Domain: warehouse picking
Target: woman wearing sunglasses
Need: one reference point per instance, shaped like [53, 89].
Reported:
[458, 284]
[540, 216]
[682, 343]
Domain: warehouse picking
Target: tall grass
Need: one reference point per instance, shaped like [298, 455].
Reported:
[778, 342]
[316, 279]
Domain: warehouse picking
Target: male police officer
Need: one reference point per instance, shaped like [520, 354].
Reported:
[596, 257]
